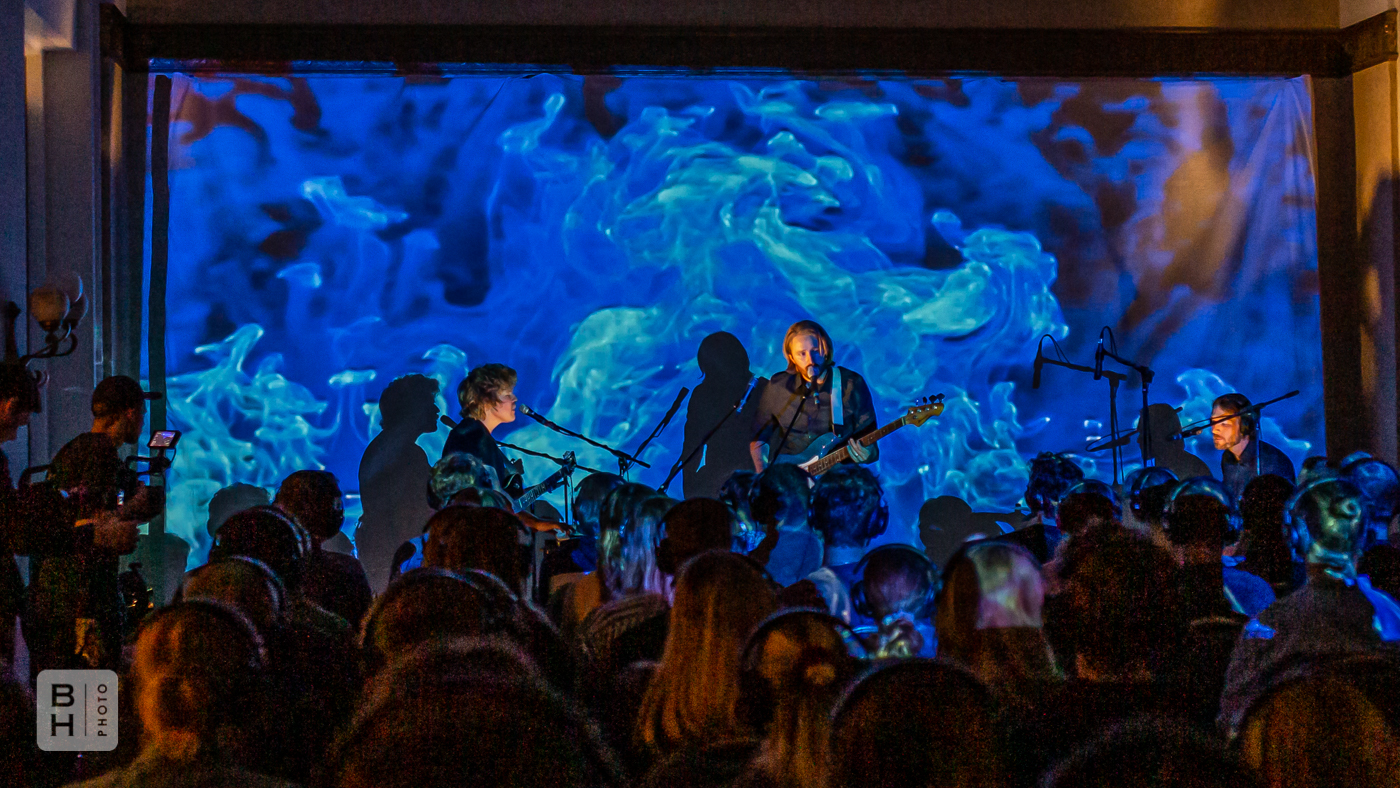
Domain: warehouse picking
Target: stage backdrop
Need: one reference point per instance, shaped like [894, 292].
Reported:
[329, 234]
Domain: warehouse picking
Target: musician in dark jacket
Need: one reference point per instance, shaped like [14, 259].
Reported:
[1246, 457]
[488, 400]
[808, 383]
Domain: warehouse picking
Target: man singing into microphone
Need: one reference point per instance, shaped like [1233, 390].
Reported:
[1239, 439]
[781, 432]
[488, 400]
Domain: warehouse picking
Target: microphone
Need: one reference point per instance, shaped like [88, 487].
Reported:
[1039, 364]
[675, 406]
[529, 411]
[817, 372]
[753, 381]
[1098, 360]
[447, 420]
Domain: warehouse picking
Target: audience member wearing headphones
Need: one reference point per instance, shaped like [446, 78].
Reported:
[269, 535]
[1246, 456]
[313, 676]
[199, 672]
[1122, 629]
[779, 503]
[989, 617]
[1147, 491]
[469, 711]
[1201, 521]
[916, 722]
[793, 671]
[896, 590]
[1052, 475]
[848, 509]
[1380, 486]
[1088, 507]
[693, 699]
[566, 566]
[1335, 614]
[335, 581]
[635, 627]
[1263, 547]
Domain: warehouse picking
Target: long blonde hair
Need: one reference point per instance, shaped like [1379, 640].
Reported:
[991, 590]
[720, 598]
[805, 662]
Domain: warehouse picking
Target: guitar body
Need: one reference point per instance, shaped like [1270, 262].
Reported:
[815, 450]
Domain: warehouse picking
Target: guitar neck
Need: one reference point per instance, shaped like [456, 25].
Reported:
[842, 454]
[538, 491]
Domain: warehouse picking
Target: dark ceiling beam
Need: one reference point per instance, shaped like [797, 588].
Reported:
[1019, 52]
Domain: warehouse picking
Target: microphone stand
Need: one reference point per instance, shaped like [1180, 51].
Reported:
[1146, 374]
[1202, 426]
[1114, 378]
[670, 414]
[622, 457]
[806, 394]
[682, 462]
[568, 477]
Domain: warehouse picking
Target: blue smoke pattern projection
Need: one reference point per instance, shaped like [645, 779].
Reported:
[328, 235]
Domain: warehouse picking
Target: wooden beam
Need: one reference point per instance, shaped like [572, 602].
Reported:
[516, 49]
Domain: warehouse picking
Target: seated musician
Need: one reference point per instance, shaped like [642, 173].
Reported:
[1246, 456]
[780, 431]
[488, 400]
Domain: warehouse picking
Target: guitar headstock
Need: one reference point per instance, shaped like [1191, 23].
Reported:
[924, 409]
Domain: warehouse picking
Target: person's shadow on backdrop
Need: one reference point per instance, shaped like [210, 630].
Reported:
[725, 364]
[394, 474]
[1164, 423]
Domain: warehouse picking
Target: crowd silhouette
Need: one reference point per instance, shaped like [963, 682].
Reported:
[1159, 633]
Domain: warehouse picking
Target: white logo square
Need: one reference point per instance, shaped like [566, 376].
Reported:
[77, 710]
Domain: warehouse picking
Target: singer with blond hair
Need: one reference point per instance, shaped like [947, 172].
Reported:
[797, 406]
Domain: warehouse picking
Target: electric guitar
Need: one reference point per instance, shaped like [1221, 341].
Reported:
[815, 460]
[532, 494]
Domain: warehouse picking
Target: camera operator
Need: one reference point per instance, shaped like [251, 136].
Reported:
[75, 602]
[19, 397]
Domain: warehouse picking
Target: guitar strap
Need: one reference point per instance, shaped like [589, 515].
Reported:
[838, 415]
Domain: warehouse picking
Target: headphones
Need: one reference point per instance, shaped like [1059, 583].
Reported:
[929, 572]
[607, 771]
[902, 672]
[256, 657]
[1143, 479]
[756, 701]
[1209, 487]
[492, 619]
[299, 536]
[870, 529]
[1096, 487]
[277, 590]
[1238, 403]
[247, 682]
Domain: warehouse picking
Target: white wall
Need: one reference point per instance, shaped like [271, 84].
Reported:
[1352, 11]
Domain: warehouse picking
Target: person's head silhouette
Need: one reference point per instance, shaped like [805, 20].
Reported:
[1162, 422]
[722, 354]
[409, 403]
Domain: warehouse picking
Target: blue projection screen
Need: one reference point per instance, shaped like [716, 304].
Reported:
[329, 234]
